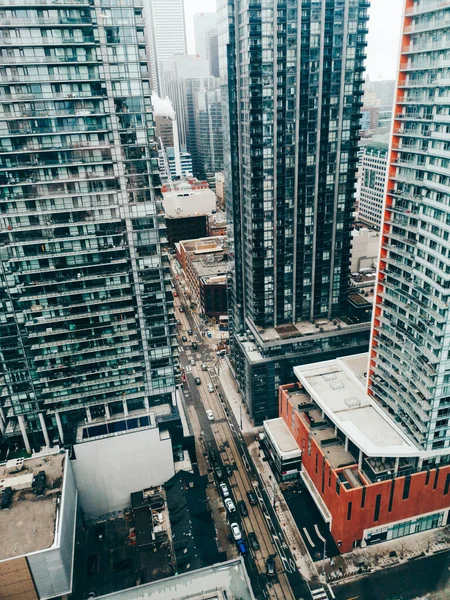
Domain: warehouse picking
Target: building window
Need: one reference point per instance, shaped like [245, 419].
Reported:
[349, 511]
[391, 497]
[376, 514]
[317, 463]
[338, 487]
[427, 478]
[436, 478]
[363, 497]
[447, 484]
[406, 486]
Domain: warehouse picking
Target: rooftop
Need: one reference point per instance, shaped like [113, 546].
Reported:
[190, 198]
[338, 388]
[208, 257]
[279, 433]
[30, 523]
[227, 580]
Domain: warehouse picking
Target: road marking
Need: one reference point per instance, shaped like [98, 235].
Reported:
[331, 591]
[305, 531]
[318, 533]
[319, 594]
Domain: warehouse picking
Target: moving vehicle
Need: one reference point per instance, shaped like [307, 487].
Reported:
[204, 367]
[219, 352]
[224, 490]
[236, 531]
[229, 470]
[243, 508]
[178, 322]
[192, 361]
[253, 540]
[219, 473]
[184, 338]
[189, 331]
[181, 309]
[210, 387]
[198, 381]
[210, 415]
[241, 546]
[230, 505]
[174, 294]
[194, 345]
[270, 566]
[252, 498]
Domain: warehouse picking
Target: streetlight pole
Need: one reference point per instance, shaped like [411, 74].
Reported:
[240, 414]
[324, 556]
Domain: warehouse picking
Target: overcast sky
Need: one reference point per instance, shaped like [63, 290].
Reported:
[383, 39]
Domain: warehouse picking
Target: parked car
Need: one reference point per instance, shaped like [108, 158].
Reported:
[230, 505]
[241, 546]
[229, 470]
[210, 414]
[243, 508]
[194, 345]
[270, 566]
[224, 490]
[204, 367]
[210, 387]
[253, 540]
[198, 381]
[236, 531]
[252, 498]
[174, 294]
[181, 308]
[178, 322]
[189, 331]
[219, 473]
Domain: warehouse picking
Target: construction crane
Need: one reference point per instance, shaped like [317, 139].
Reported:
[176, 200]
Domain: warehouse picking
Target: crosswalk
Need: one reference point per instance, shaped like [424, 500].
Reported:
[319, 594]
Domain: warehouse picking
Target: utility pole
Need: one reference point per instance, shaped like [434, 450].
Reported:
[324, 556]
[240, 414]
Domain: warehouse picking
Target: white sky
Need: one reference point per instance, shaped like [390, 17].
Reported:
[383, 38]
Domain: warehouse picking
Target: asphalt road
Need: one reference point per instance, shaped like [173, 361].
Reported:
[408, 581]
[221, 439]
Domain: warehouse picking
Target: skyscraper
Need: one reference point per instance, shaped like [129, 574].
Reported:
[166, 35]
[86, 323]
[208, 121]
[293, 86]
[409, 371]
[205, 33]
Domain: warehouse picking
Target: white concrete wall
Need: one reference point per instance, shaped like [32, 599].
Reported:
[365, 246]
[107, 470]
[52, 569]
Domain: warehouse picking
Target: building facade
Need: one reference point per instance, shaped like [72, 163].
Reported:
[292, 76]
[86, 317]
[166, 35]
[410, 361]
[368, 479]
[205, 34]
[373, 183]
[209, 138]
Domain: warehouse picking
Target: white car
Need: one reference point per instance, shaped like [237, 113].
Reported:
[210, 415]
[230, 505]
[224, 490]
[210, 387]
[236, 531]
[192, 361]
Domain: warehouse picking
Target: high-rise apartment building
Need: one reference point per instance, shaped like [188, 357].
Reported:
[86, 323]
[373, 181]
[293, 83]
[205, 34]
[409, 371]
[208, 123]
[166, 35]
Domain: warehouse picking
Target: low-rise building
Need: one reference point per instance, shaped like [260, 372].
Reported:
[217, 224]
[204, 262]
[37, 525]
[369, 480]
[187, 207]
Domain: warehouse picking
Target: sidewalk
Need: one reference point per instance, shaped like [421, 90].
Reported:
[386, 554]
[234, 397]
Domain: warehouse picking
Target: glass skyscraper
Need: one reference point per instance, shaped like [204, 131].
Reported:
[293, 75]
[86, 318]
[409, 372]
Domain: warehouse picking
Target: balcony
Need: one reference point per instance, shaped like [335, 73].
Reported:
[424, 7]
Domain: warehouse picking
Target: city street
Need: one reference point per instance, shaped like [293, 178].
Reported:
[221, 441]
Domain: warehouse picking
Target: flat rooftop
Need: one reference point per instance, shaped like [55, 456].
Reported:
[30, 523]
[219, 582]
[338, 388]
[189, 202]
[289, 331]
[279, 433]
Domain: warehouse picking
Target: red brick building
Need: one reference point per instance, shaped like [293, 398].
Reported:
[368, 479]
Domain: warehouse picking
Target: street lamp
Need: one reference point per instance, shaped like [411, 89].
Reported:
[324, 556]
[240, 414]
